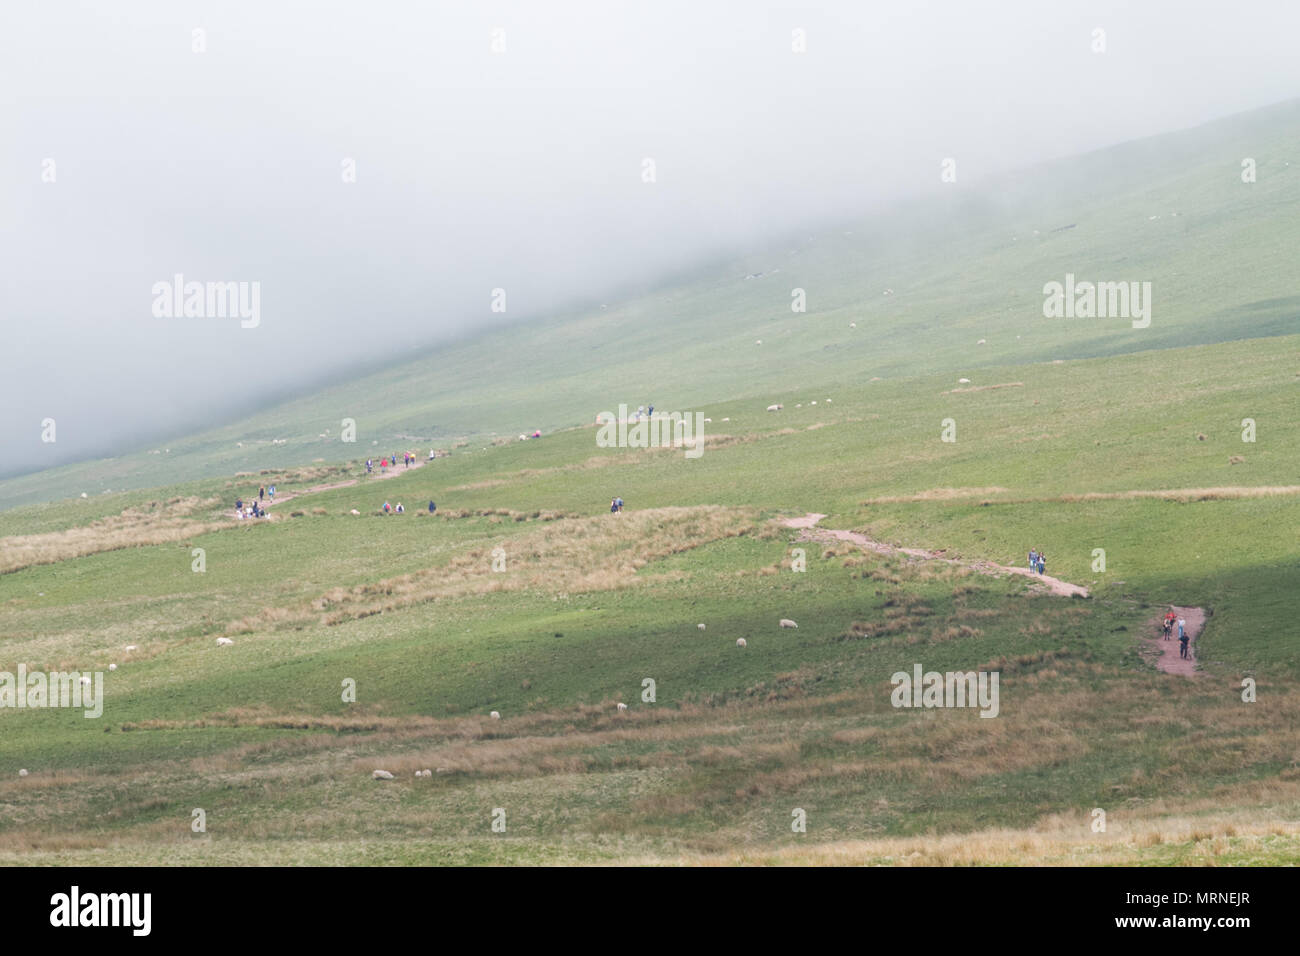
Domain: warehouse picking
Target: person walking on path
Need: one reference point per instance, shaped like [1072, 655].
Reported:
[1042, 561]
[1033, 559]
[432, 507]
[1183, 638]
[261, 493]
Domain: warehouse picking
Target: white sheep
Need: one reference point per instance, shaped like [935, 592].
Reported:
[131, 647]
[112, 667]
[740, 642]
[622, 706]
[85, 682]
[853, 325]
[224, 642]
[786, 622]
[963, 381]
[382, 775]
[775, 408]
[22, 773]
[982, 342]
[355, 511]
[759, 342]
[494, 715]
[700, 626]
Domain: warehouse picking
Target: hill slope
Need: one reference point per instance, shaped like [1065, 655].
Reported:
[1172, 210]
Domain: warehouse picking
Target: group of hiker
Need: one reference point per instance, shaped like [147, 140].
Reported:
[254, 509]
[1172, 621]
[615, 505]
[1037, 560]
[390, 510]
[408, 459]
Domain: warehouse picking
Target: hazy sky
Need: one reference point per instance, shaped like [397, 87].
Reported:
[520, 169]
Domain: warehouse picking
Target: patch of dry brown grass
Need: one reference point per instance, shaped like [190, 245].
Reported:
[588, 554]
[155, 523]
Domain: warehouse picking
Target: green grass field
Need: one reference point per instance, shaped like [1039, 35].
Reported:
[1103, 437]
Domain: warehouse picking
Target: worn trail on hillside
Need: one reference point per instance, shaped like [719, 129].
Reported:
[808, 525]
[340, 484]
[1169, 660]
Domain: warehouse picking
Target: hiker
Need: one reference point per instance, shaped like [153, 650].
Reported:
[613, 506]
[1166, 626]
[1033, 559]
[651, 411]
[261, 493]
[432, 507]
[370, 465]
[272, 491]
[387, 507]
[239, 504]
[1042, 561]
[1182, 628]
[618, 504]
[400, 509]
[1183, 639]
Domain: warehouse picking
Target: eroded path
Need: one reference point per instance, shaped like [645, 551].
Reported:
[378, 476]
[1169, 659]
[1167, 653]
[808, 524]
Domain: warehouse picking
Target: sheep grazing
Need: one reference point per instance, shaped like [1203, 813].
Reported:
[354, 511]
[759, 342]
[494, 715]
[963, 381]
[775, 408]
[85, 682]
[622, 706]
[981, 342]
[382, 775]
[853, 325]
[224, 642]
[700, 626]
[22, 773]
[740, 642]
[131, 647]
[112, 667]
[786, 622]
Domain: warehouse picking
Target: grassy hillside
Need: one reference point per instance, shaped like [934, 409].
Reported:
[523, 595]
[590, 605]
[1171, 210]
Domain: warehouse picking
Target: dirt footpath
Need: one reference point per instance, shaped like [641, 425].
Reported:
[811, 532]
[376, 476]
[1168, 659]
